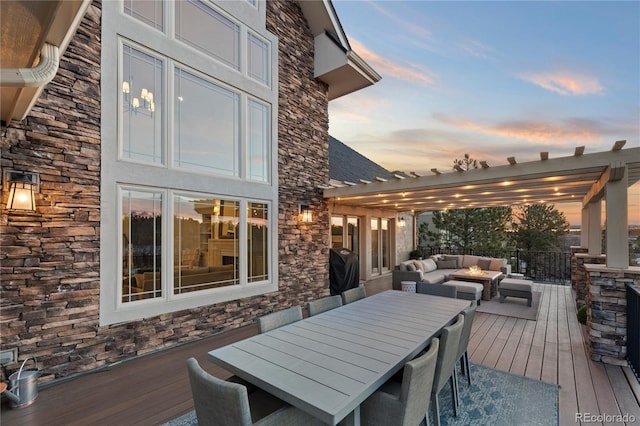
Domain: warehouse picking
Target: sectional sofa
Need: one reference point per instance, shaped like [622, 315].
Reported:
[436, 270]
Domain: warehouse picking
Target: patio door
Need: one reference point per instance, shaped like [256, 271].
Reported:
[380, 245]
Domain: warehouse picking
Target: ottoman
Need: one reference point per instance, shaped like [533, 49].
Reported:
[467, 290]
[516, 288]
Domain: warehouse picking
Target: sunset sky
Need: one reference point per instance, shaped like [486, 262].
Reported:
[492, 79]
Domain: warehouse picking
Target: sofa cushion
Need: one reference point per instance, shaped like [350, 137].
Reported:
[404, 266]
[429, 265]
[418, 264]
[469, 260]
[411, 266]
[456, 259]
[497, 264]
[484, 263]
[447, 264]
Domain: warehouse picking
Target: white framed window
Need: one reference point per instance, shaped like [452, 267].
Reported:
[380, 245]
[345, 232]
[198, 138]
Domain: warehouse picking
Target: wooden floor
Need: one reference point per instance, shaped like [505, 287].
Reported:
[153, 389]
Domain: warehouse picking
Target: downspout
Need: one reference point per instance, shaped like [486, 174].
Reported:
[37, 76]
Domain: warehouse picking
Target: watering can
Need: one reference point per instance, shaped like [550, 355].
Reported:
[24, 385]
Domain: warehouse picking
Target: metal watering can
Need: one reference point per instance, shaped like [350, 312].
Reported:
[23, 385]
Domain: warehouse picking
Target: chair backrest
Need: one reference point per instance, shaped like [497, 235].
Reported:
[217, 401]
[318, 306]
[449, 342]
[353, 294]
[278, 319]
[468, 315]
[417, 381]
[438, 290]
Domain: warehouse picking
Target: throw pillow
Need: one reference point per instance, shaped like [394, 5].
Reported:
[429, 265]
[418, 264]
[449, 258]
[497, 264]
[411, 267]
[484, 263]
[470, 260]
[447, 264]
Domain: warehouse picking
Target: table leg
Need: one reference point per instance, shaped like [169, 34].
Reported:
[353, 419]
[486, 290]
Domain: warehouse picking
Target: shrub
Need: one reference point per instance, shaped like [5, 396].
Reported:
[416, 254]
[582, 315]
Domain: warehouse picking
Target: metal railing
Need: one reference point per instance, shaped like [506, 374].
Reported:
[633, 328]
[540, 266]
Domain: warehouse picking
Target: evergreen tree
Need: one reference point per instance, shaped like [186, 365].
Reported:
[539, 227]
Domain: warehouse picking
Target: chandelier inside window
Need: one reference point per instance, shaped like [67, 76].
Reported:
[143, 104]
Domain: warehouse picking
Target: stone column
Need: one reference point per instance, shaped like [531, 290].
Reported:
[580, 277]
[607, 312]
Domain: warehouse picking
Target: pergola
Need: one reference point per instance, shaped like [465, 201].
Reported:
[585, 178]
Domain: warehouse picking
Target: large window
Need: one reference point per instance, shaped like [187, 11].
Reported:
[345, 232]
[189, 113]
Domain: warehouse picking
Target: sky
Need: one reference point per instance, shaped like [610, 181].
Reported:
[493, 79]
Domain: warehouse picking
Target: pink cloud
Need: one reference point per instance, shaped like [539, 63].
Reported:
[566, 82]
[411, 72]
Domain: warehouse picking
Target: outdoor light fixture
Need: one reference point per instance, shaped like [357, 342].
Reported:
[402, 222]
[22, 187]
[305, 213]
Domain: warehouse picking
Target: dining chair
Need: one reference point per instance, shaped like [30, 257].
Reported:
[353, 294]
[463, 356]
[437, 290]
[449, 342]
[219, 402]
[403, 403]
[318, 306]
[278, 319]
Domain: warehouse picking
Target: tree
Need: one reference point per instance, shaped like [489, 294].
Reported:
[538, 227]
[478, 229]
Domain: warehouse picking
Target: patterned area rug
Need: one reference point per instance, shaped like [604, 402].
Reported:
[494, 398]
[513, 307]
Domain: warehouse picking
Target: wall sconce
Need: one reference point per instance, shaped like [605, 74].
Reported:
[402, 222]
[305, 213]
[22, 187]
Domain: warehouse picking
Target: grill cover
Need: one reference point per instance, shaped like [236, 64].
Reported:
[344, 270]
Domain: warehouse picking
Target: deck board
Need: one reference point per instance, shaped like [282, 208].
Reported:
[154, 388]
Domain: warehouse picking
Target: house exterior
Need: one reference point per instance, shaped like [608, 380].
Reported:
[173, 150]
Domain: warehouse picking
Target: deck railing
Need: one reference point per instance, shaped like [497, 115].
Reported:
[540, 266]
[633, 328]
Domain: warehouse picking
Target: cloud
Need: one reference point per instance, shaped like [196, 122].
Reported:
[411, 72]
[566, 82]
[478, 49]
[567, 131]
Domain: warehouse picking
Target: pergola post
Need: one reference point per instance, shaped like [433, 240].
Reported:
[594, 228]
[617, 228]
[584, 227]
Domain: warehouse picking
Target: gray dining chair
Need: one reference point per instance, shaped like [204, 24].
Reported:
[449, 342]
[353, 294]
[437, 290]
[403, 403]
[318, 306]
[278, 319]
[463, 356]
[219, 402]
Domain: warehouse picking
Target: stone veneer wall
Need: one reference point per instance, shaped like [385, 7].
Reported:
[607, 312]
[50, 279]
[579, 275]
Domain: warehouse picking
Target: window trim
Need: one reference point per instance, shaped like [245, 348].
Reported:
[117, 27]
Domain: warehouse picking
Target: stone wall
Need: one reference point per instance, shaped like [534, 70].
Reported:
[50, 281]
[607, 312]
[579, 275]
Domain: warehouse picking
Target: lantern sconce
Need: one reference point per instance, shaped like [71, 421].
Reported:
[402, 222]
[305, 213]
[22, 188]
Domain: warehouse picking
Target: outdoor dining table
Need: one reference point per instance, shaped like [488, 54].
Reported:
[327, 364]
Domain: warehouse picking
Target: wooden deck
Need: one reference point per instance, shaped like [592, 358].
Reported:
[153, 389]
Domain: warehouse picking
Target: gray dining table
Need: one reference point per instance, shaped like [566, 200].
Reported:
[329, 363]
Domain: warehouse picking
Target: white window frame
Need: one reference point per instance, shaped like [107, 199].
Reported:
[116, 27]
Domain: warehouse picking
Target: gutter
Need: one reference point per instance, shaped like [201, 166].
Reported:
[37, 76]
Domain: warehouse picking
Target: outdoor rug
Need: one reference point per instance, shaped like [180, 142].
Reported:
[494, 398]
[512, 307]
